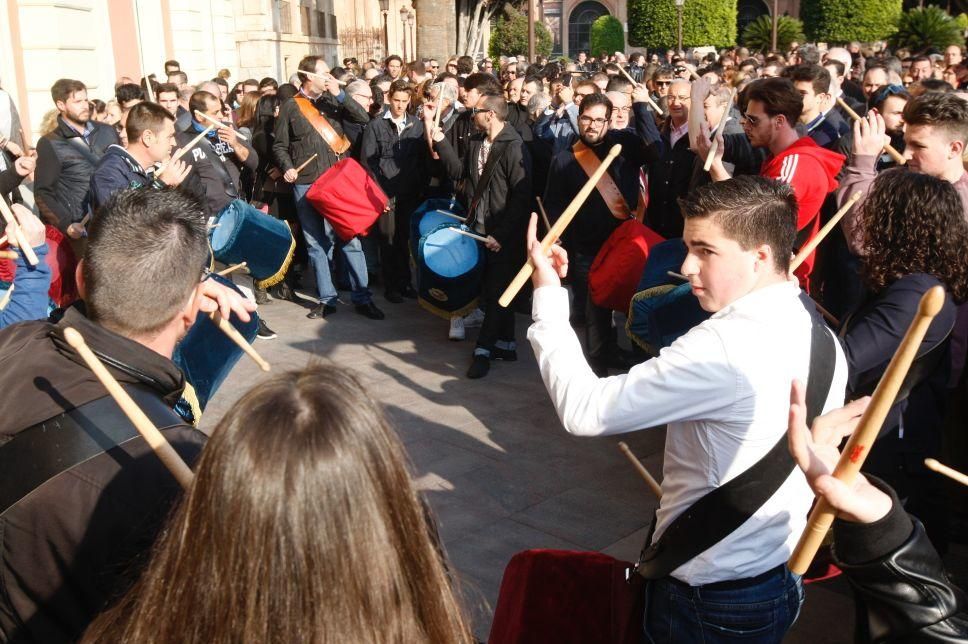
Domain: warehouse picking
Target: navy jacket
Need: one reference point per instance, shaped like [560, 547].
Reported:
[117, 170]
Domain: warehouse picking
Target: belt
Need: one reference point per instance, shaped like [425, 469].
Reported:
[732, 584]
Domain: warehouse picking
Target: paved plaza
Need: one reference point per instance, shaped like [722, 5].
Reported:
[491, 456]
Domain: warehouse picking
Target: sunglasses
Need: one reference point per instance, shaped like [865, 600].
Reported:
[753, 120]
[479, 110]
[663, 83]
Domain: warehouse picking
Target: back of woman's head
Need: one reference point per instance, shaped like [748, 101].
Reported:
[301, 526]
[914, 223]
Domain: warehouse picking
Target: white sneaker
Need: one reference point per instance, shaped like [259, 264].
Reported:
[474, 319]
[456, 329]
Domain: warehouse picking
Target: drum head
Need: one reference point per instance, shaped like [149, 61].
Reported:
[450, 254]
[222, 236]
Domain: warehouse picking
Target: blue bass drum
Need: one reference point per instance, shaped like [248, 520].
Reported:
[431, 214]
[663, 309]
[265, 243]
[206, 356]
[450, 268]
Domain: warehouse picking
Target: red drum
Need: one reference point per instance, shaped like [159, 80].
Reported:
[349, 198]
[568, 598]
[61, 261]
[618, 266]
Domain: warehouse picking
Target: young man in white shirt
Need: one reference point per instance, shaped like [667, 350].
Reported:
[723, 392]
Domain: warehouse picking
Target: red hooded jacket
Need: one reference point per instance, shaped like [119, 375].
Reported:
[811, 171]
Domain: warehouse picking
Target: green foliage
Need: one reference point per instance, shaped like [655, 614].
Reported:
[846, 20]
[927, 27]
[962, 21]
[606, 35]
[758, 35]
[653, 23]
[509, 36]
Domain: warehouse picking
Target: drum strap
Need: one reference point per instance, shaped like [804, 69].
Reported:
[337, 142]
[606, 187]
[719, 513]
[47, 449]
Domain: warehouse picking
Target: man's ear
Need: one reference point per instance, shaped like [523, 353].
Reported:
[956, 148]
[79, 280]
[189, 312]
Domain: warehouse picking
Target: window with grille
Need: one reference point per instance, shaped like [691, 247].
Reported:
[285, 17]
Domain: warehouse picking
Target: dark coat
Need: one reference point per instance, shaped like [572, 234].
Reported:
[296, 140]
[65, 163]
[79, 540]
[400, 162]
[505, 204]
[669, 178]
[217, 167]
[117, 170]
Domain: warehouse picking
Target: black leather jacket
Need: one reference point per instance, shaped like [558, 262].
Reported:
[902, 591]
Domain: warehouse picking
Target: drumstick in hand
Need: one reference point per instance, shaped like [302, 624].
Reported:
[940, 468]
[306, 162]
[324, 77]
[159, 444]
[897, 156]
[859, 444]
[220, 125]
[559, 226]
[816, 239]
[180, 152]
[715, 144]
[483, 240]
[544, 215]
[226, 327]
[231, 269]
[648, 98]
[643, 472]
[6, 297]
[18, 233]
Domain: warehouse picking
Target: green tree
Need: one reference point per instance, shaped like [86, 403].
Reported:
[927, 27]
[509, 36]
[654, 24]
[758, 35]
[606, 35]
[846, 20]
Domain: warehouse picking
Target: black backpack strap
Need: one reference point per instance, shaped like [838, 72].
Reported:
[720, 512]
[41, 452]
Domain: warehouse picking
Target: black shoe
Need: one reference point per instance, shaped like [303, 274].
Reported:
[261, 296]
[369, 310]
[393, 297]
[284, 292]
[321, 311]
[479, 367]
[508, 355]
[409, 292]
[265, 333]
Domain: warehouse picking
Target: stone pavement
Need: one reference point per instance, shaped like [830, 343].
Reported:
[491, 456]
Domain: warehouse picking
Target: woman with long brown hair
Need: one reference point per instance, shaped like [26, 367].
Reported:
[302, 525]
[915, 236]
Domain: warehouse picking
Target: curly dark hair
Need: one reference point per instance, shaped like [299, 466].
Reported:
[914, 223]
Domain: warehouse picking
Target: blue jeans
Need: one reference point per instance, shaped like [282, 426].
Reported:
[320, 240]
[760, 611]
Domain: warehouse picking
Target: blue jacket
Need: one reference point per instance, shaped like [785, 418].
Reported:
[117, 170]
[29, 298]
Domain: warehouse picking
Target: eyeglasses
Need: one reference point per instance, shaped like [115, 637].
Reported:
[587, 120]
[663, 83]
[753, 120]
[435, 67]
[479, 110]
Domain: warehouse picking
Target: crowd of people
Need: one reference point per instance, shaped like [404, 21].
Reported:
[733, 160]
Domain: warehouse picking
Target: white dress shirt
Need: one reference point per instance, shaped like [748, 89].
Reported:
[723, 389]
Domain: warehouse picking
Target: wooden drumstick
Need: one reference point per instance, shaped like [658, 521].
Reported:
[226, 327]
[897, 156]
[18, 233]
[3, 240]
[643, 472]
[149, 89]
[814, 241]
[306, 162]
[648, 98]
[440, 101]
[231, 269]
[678, 276]
[220, 125]
[324, 77]
[859, 444]
[559, 226]
[940, 468]
[6, 297]
[180, 152]
[715, 145]
[159, 444]
[544, 214]
[452, 215]
[8, 254]
[479, 238]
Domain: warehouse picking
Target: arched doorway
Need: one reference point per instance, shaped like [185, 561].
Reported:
[580, 25]
[747, 11]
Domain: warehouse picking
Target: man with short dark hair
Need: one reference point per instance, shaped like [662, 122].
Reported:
[178, 78]
[172, 66]
[773, 108]
[63, 561]
[497, 157]
[475, 86]
[67, 156]
[875, 77]
[268, 86]
[128, 95]
[168, 97]
[820, 122]
[393, 67]
[920, 68]
[465, 66]
[721, 391]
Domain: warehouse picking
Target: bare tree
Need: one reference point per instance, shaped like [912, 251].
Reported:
[473, 19]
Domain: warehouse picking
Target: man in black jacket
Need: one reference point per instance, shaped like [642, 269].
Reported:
[296, 141]
[498, 210]
[595, 221]
[393, 149]
[66, 158]
[82, 496]
[671, 173]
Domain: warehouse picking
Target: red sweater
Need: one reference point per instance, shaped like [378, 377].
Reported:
[811, 171]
